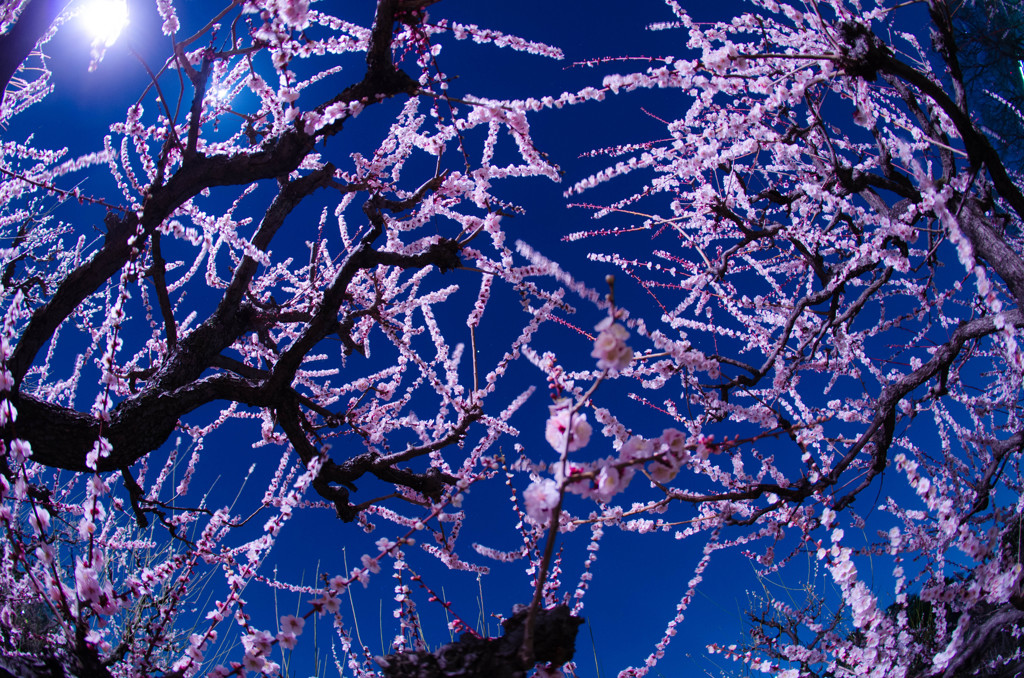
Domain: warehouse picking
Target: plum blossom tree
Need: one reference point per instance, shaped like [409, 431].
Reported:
[832, 275]
[199, 305]
[835, 278]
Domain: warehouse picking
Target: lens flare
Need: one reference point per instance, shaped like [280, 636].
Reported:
[104, 20]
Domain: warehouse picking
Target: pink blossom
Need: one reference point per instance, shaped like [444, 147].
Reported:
[663, 469]
[559, 423]
[166, 9]
[370, 564]
[197, 646]
[86, 583]
[673, 441]
[287, 640]
[295, 13]
[292, 624]
[844, 572]
[541, 497]
[39, 519]
[8, 413]
[863, 604]
[610, 347]
[95, 638]
[21, 450]
[636, 447]
[610, 481]
[253, 662]
[101, 449]
[257, 643]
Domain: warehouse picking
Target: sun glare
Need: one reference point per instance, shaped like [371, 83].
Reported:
[104, 19]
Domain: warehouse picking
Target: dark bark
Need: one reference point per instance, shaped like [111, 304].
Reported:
[194, 371]
[86, 664]
[18, 43]
[986, 638]
[471, 655]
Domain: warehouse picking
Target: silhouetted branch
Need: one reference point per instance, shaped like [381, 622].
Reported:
[471, 655]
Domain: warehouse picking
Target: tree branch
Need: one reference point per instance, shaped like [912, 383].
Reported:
[21, 39]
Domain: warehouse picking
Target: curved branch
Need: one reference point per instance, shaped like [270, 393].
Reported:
[21, 39]
[970, 654]
[879, 432]
[993, 248]
[881, 429]
[278, 157]
[978, 148]
[62, 437]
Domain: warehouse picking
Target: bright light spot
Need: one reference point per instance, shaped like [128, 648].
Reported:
[104, 20]
[218, 95]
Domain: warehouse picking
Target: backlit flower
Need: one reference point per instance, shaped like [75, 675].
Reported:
[663, 469]
[287, 640]
[559, 424]
[370, 564]
[541, 497]
[292, 624]
[257, 644]
[610, 481]
[295, 13]
[610, 347]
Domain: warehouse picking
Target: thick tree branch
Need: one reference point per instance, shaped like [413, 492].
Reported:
[493, 657]
[62, 437]
[978, 148]
[21, 39]
[278, 157]
[880, 431]
[992, 247]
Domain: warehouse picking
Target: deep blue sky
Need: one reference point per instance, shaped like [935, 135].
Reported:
[639, 578]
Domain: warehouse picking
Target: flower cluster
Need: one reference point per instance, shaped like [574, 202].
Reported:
[673, 449]
[610, 348]
[567, 430]
[257, 650]
[291, 628]
[541, 497]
